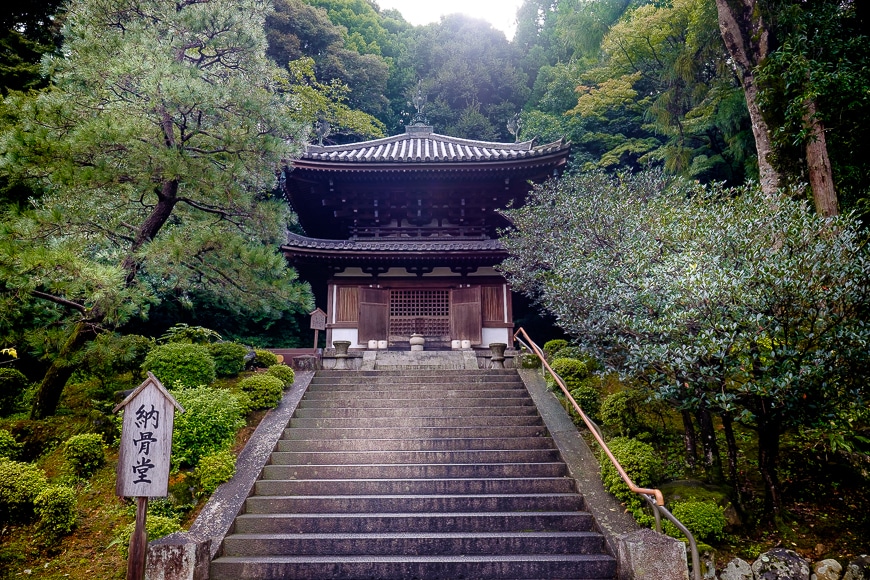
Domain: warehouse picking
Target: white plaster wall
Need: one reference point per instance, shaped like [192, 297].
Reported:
[351, 334]
[490, 335]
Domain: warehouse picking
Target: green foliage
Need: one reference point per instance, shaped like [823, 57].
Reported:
[85, 453]
[622, 411]
[528, 360]
[156, 527]
[706, 520]
[551, 347]
[55, 507]
[572, 371]
[588, 397]
[12, 385]
[185, 333]
[229, 358]
[189, 364]
[214, 469]
[209, 423]
[265, 390]
[9, 447]
[283, 372]
[20, 484]
[640, 462]
[264, 358]
[111, 354]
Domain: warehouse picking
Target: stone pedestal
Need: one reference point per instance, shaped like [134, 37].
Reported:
[497, 360]
[341, 347]
[417, 341]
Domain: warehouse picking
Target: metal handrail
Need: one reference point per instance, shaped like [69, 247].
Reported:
[653, 497]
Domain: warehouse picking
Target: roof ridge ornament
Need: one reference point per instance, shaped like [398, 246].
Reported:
[419, 102]
[514, 126]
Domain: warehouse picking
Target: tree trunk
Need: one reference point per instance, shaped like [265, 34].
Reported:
[52, 385]
[48, 397]
[712, 460]
[768, 453]
[746, 38]
[690, 440]
[731, 444]
[819, 164]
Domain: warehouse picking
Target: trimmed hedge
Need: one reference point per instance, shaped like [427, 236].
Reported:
[229, 358]
[640, 462]
[20, 484]
[705, 519]
[214, 469]
[85, 453]
[56, 508]
[264, 359]
[9, 447]
[282, 372]
[265, 390]
[189, 364]
[209, 423]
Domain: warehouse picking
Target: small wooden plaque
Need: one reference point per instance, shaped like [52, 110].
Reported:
[318, 320]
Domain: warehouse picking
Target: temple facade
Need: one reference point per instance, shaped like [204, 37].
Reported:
[401, 234]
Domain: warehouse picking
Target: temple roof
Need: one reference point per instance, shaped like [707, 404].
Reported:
[420, 145]
[484, 251]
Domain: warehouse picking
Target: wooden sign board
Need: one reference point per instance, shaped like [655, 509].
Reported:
[318, 320]
[146, 440]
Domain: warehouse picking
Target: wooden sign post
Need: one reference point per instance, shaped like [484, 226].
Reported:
[318, 323]
[143, 460]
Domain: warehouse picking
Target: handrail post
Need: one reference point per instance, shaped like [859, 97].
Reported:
[653, 496]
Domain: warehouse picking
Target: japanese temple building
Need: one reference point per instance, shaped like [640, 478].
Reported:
[401, 234]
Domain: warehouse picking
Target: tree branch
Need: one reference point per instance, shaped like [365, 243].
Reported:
[59, 300]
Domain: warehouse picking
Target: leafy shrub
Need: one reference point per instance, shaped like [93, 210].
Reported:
[156, 526]
[571, 370]
[85, 453]
[705, 519]
[214, 469]
[209, 423]
[588, 398]
[551, 347]
[20, 484]
[229, 358]
[12, 385]
[621, 411]
[528, 360]
[282, 372]
[184, 333]
[264, 358]
[9, 447]
[110, 355]
[56, 508]
[642, 465]
[265, 390]
[189, 364]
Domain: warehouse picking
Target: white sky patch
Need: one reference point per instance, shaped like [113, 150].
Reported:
[502, 14]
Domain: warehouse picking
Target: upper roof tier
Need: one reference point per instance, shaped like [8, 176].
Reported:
[420, 145]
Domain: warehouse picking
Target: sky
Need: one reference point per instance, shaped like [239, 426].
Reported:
[501, 14]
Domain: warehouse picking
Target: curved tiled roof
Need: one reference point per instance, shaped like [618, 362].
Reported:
[393, 245]
[420, 145]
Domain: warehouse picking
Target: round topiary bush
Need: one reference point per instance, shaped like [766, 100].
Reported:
[588, 398]
[571, 370]
[705, 519]
[229, 358]
[189, 364]
[209, 423]
[265, 390]
[621, 412]
[214, 469]
[12, 385]
[282, 372]
[264, 358]
[20, 484]
[9, 447]
[56, 508]
[551, 347]
[85, 453]
[640, 462]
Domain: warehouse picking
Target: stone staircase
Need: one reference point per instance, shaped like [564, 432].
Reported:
[415, 474]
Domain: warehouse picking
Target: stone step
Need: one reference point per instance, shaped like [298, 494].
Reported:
[420, 544]
[412, 457]
[399, 423]
[342, 393]
[418, 471]
[395, 401]
[447, 444]
[423, 504]
[458, 486]
[487, 567]
[414, 432]
[452, 374]
[378, 522]
[422, 411]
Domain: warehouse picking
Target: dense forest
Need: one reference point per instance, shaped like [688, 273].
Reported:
[139, 143]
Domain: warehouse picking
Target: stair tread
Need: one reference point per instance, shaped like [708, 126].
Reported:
[419, 535]
[439, 558]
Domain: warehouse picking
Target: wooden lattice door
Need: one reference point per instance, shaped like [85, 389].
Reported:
[465, 316]
[374, 312]
[424, 311]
